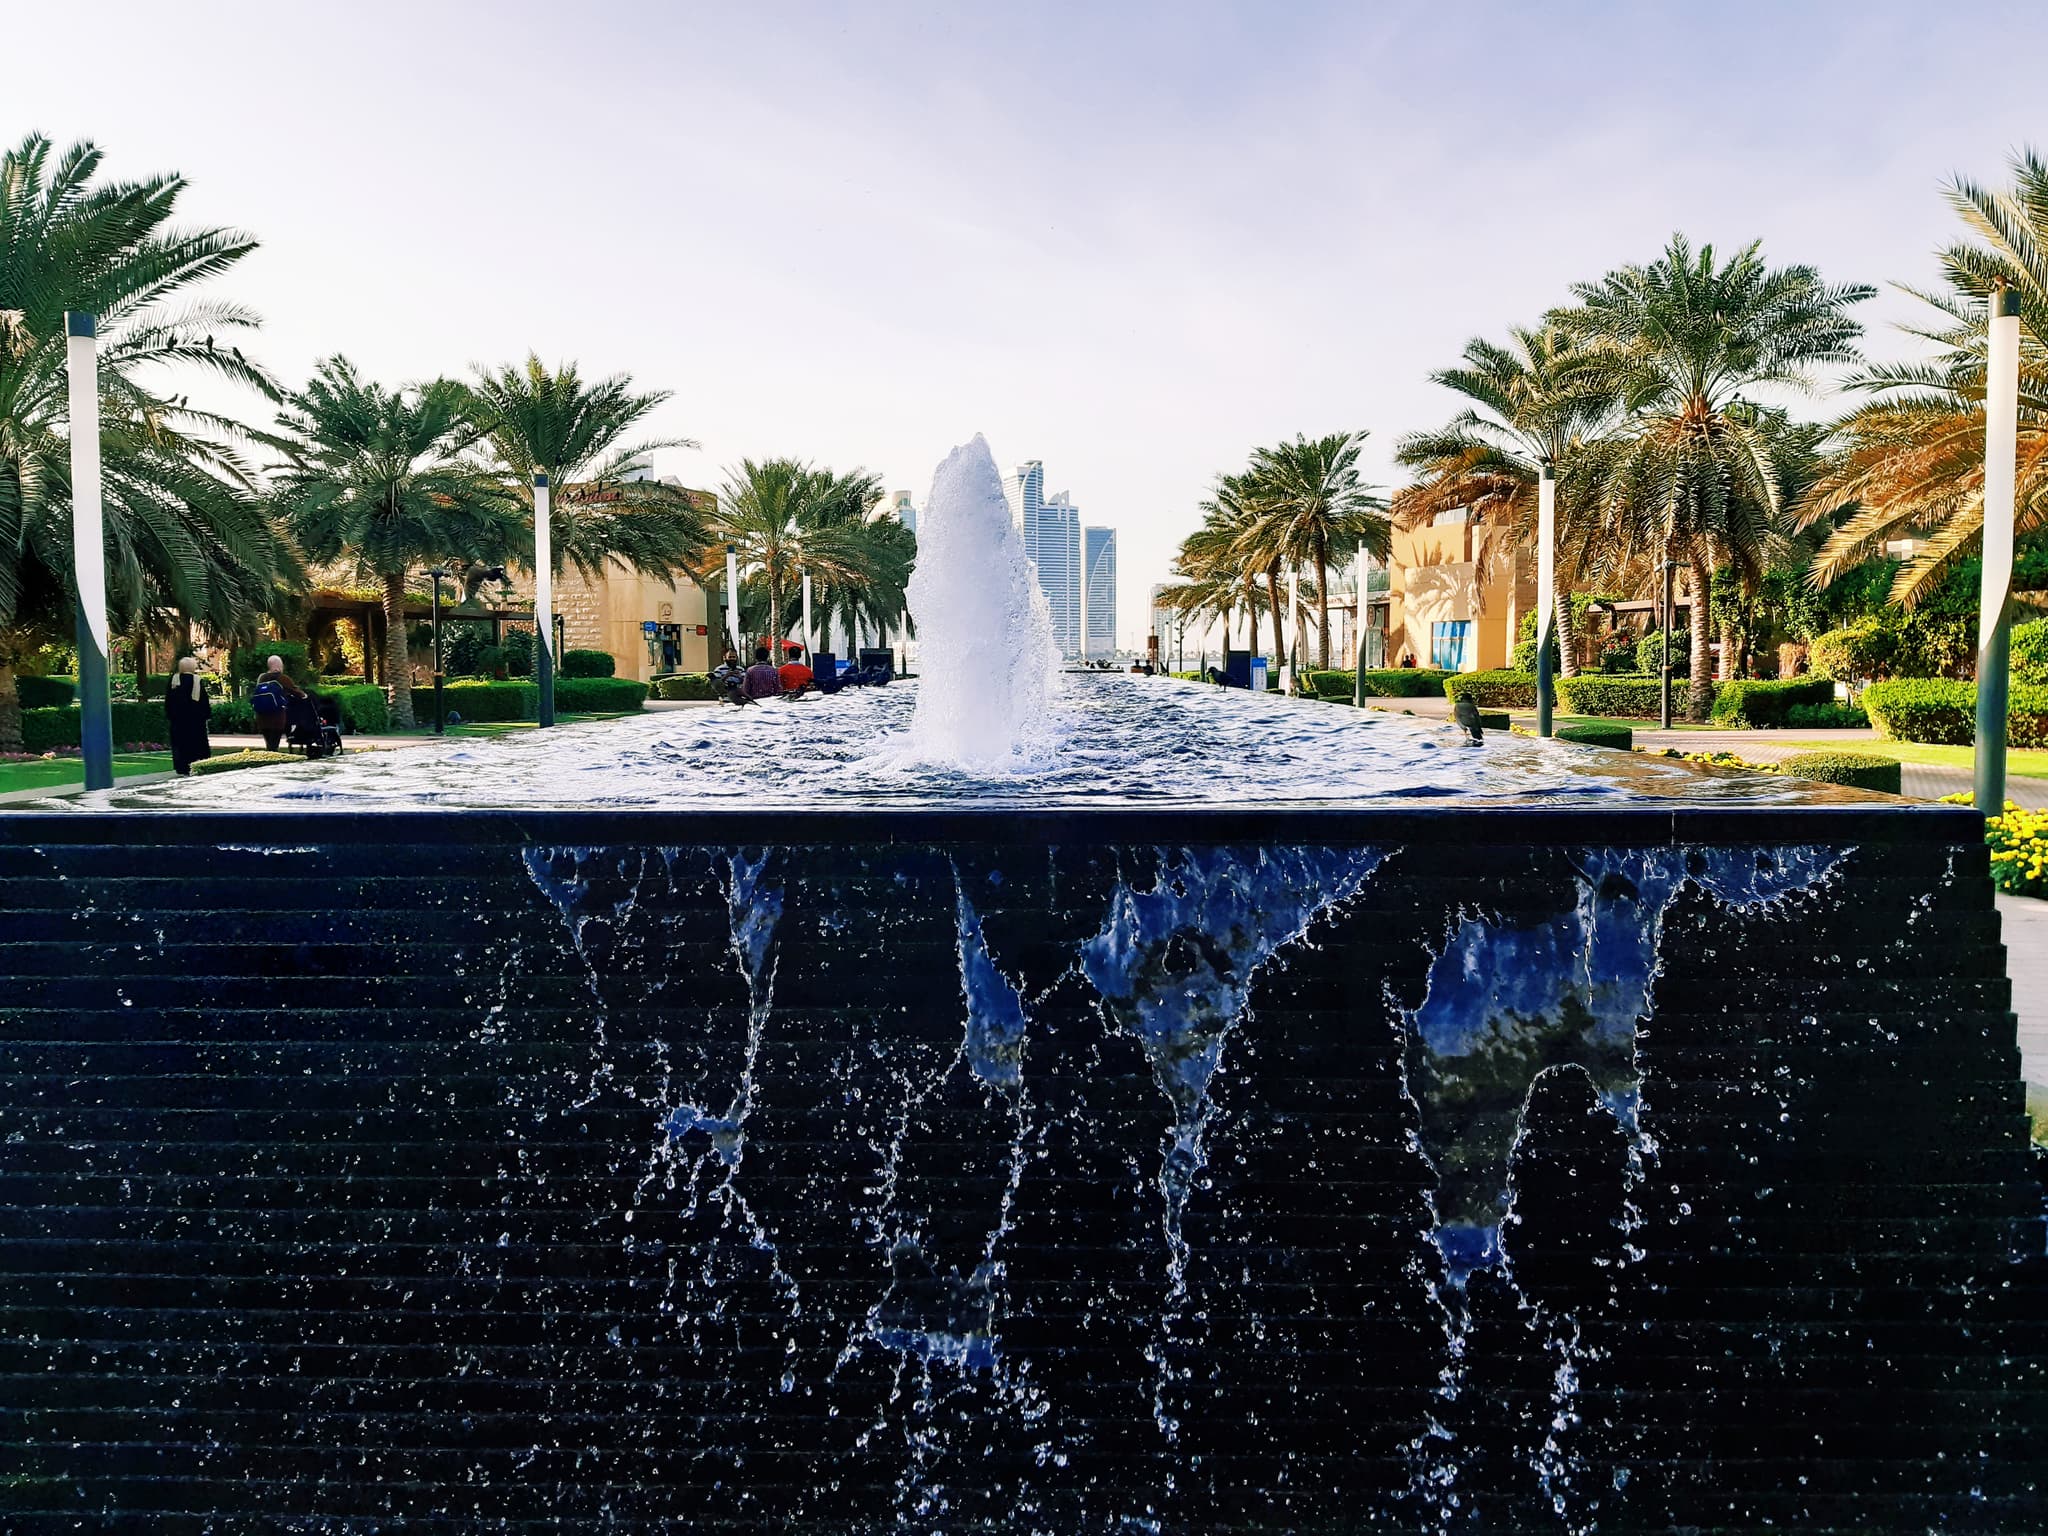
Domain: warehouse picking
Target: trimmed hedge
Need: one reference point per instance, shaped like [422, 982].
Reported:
[1761, 705]
[477, 699]
[45, 692]
[1859, 770]
[1397, 682]
[1944, 711]
[253, 757]
[588, 664]
[1332, 684]
[1598, 734]
[364, 709]
[1613, 695]
[1495, 720]
[46, 730]
[598, 695]
[232, 717]
[690, 685]
[1493, 690]
[1826, 717]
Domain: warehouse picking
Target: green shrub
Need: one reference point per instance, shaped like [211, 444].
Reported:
[1493, 689]
[1761, 705]
[1859, 770]
[598, 695]
[1650, 653]
[232, 717]
[1494, 720]
[252, 660]
[697, 685]
[45, 692]
[2030, 653]
[364, 709]
[1404, 682]
[1944, 711]
[1615, 696]
[488, 662]
[251, 757]
[157, 684]
[1598, 734]
[588, 664]
[47, 730]
[1826, 717]
[1332, 684]
[479, 699]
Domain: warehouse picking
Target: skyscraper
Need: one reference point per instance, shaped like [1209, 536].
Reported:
[905, 510]
[1098, 564]
[1051, 528]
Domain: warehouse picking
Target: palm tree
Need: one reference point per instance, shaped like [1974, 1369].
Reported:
[378, 477]
[1212, 577]
[605, 506]
[1677, 344]
[1527, 410]
[1912, 462]
[1309, 505]
[184, 534]
[787, 517]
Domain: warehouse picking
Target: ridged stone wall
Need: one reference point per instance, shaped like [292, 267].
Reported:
[1462, 1171]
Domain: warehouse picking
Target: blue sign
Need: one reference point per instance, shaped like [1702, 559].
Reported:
[649, 627]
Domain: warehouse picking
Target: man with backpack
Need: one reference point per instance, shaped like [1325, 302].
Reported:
[271, 699]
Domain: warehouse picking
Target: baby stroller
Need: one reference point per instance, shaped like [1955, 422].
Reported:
[314, 724]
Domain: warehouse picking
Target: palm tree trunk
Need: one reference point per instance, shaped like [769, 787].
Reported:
[1701, 702]
[1727, 670]
[774, 619]
[1323, 604]
[12, 648]
[1567, 631]
[1273, 603]
[397, 666]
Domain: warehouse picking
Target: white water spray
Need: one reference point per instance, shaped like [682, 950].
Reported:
[984, 631]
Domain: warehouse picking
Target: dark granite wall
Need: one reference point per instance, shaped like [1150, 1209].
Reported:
[1461, 1171]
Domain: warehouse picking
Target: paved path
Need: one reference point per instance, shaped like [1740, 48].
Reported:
[1918, 781]
[2026, 958]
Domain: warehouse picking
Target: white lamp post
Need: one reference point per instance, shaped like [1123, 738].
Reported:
[1994, 625]
[1546, 588]
[810, 634]
[543, 598]
[89, 552]
[732, 599]
[1359, 577]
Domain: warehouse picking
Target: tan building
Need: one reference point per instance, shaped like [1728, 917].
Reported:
[1457, 590]
[647, 626]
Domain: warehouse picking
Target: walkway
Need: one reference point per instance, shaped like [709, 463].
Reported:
[2025, 920]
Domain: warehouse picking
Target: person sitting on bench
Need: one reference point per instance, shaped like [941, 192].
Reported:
[763, 681]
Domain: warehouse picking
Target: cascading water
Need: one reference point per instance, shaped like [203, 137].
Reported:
[983, 628]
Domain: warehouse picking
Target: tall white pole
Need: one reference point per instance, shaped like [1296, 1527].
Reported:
[1994, 630]
[1292, 658]
[732, 599]
[89, 552]
[544, 597]
[1546, 588]
[810, 634]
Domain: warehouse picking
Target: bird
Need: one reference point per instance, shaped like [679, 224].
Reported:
[1466, 713]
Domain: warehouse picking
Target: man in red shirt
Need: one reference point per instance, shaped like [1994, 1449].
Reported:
[796, 677]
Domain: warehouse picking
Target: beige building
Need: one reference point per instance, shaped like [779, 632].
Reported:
[647, 626]
[1456, 593]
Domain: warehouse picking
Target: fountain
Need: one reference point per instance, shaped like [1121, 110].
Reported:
[1138, 1108]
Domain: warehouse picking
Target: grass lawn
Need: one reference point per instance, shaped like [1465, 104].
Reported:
[2025, 763]
[57, 772]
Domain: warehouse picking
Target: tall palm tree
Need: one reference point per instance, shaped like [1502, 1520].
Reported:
[184, 535]
[786, 517]
[605, 505]
[1912, 461]
[1528, 409]
[379, 477]
[1211, 575]
[1678, 343]
[1310, 505]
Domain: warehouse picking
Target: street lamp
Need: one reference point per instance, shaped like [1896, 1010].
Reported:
[439, 574]
[732, 598]
[543, 598]
[1664, 669]
[89, 552]
[1546, 590]
[1994, 623]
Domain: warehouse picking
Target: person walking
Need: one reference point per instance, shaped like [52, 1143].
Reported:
[762, 680]
[271, 699]
[187, 707]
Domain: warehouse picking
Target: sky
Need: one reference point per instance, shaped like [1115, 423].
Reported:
[1131, 240]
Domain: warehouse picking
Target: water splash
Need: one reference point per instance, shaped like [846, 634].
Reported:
[983, 627]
